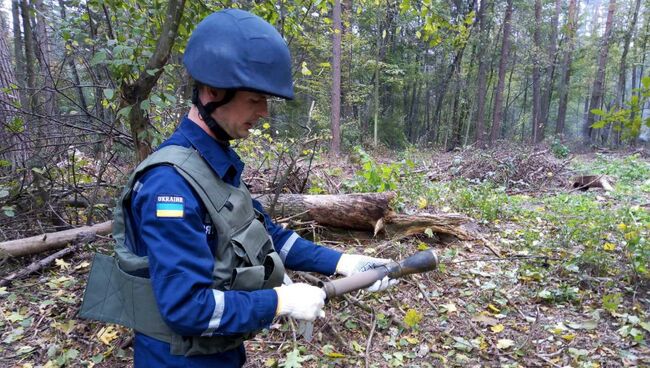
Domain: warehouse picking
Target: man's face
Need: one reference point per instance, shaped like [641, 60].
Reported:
[242, 113]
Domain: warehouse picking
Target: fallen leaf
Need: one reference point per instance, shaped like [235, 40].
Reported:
[15, 317]
[497, 328]
[504, 343]
[357, 347]
[412, 340]
[65, 327]
[25, 349]
[335, 355]
[107, 334]
[294, 360]
[645, 326]
[81, 265]
[609, 246]
[485, 319]
[558, 328]
[462, 344]
[494, 309]
[62, 264]
[450, 307]
[569, 337]
[578, 352]
[585, 325]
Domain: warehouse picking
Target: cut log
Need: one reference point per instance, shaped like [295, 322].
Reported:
[347, 211]
[397, 225]
[586, 182]
[51, 241]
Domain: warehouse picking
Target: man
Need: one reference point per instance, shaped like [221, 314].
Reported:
[199, 264]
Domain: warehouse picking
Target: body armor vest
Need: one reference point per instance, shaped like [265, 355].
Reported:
[245, 258]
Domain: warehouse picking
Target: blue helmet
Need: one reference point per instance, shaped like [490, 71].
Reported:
[235, 50]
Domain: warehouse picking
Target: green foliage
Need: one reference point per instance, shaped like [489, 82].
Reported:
[628, 170]
[559, 150]
[484, 201]
[374, 176]
[412, 318]
[627, 119]
[295, 359]
[560, 295]
[611, 302]
[636, 239]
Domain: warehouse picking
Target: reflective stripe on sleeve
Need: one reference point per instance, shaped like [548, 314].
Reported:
[287, 246]
[137, 186]
[215, 321]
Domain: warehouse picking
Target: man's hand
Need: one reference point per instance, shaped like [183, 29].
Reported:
[300, 301]
[349, 264]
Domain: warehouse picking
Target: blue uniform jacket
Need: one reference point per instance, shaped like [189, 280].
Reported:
[180, 244]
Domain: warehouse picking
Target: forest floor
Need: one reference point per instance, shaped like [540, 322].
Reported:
[561, 277]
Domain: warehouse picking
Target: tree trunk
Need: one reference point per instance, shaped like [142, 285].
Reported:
[51, 241]
[481, 89]
[622, 69]
[523, 110]
[73, 67]
[335, 146]
[565, 73]
[505, 51]
[376, 89]
[349, 211]
[19, 53]
[642, 51]
[134, 94]
[456, 121]
[547, 94]
[28, 39]
[598, 88]
[8, 100]
[508, 102]
[43, 55]
[537, 98]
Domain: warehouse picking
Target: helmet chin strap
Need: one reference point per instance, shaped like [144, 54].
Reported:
[206, 113]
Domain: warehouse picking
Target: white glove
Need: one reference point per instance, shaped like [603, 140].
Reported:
[300, 301]
[349, 264]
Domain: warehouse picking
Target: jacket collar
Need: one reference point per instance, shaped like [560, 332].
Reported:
[222, 158]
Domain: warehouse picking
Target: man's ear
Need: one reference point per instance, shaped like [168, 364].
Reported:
[215, 94]
[209, 94]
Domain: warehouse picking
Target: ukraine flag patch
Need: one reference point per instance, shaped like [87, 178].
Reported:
[169, 206]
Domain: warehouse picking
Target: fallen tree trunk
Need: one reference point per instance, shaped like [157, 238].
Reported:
[365, 212]
[51, 241]
[347, 211]
[37, 265]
